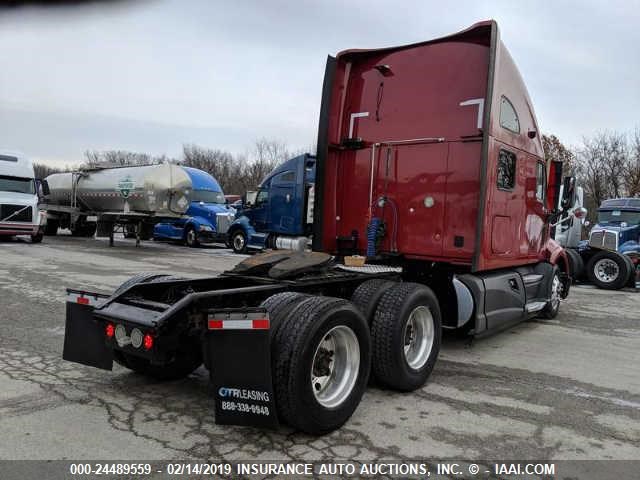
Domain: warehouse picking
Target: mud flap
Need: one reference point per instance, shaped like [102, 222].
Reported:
[239, 346]
[84, 336]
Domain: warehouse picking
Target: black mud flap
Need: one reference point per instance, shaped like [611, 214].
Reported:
[239, 346]
[84, 336]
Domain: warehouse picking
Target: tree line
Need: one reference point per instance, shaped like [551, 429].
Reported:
[606, 165]
[235, 173]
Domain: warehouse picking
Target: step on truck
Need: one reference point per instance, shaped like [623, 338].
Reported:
[429, 163]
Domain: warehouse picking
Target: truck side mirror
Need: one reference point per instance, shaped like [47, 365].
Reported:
[44, 187]
[579, 212]
[568, 192]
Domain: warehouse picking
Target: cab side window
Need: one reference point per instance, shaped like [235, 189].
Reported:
[262, 198]
[508, 116]
[506, 170]
[286, 177]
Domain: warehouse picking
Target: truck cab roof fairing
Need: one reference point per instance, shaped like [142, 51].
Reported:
[398, 122]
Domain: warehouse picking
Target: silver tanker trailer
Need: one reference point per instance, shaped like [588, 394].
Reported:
[132, 199]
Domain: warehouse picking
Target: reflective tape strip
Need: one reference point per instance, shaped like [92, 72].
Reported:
[255, 324]
[81, 299]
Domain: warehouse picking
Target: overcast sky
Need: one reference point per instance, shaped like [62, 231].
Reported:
[151, 75]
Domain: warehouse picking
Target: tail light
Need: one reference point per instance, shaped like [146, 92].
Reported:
[147, 342]
[110, 330]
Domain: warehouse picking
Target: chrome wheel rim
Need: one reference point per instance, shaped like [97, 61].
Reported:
[238, 241]
[556, 292]
[418, 336]
[191, 237]
[606, 270]
[335, 366]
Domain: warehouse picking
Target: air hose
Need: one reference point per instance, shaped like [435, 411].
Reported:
[372, 236]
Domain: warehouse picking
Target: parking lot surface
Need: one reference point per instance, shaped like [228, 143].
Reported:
[562, 389]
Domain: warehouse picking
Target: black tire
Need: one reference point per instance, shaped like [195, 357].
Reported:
[605, 277]
[89, 229]
[279, 305]
[238, 241]
[143, 277]
[631, 281]
[552, 307]
[184, 362]
[191, 237]
[296, 345]
[51, 228]
[368, 295]
[129, 231]
[576, 264]
[388, 334]
[37, 238]
[104, 228]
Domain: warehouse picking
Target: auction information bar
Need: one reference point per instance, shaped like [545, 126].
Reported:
[445, 469]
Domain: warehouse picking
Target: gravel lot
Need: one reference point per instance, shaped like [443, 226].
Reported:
[562, 389]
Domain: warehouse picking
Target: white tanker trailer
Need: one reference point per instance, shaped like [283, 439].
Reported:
[105, 199]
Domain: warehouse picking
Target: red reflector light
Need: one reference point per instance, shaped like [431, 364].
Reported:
[110, 330]
[215, 324]
[147, 342]
[82, 300]
[261, 324]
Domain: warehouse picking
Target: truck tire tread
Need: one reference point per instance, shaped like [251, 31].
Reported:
[368, 294]
[389, 365]
[623, 266]
[305, 321]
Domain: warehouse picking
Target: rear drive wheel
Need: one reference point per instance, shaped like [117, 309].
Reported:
[321, 364]
[143, 277]
[191, 237]
[406, 333]
[608, 270]
[576, 264]
[239, 241]
[553, 305]
[279, 305]
[51, 228]
[368, 295]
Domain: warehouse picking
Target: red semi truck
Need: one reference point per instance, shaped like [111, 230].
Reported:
[429, 163]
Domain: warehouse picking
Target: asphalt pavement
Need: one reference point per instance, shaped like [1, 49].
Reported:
[568, 388]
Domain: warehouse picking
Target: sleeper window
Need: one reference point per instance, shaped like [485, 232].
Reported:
[506, 170]
[508, 116]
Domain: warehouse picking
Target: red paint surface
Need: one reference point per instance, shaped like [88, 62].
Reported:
[421, 98]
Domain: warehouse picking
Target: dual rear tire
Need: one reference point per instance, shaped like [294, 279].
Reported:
[324, 348]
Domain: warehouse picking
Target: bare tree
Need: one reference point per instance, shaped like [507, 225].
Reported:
[42, 171]
[632, 169]
[554, 150]
[120, 158]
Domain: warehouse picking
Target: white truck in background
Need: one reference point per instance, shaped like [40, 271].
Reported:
[19, 213]
[610, 257]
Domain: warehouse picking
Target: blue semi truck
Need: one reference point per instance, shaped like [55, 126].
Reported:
[207, 219]
[279, 214]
